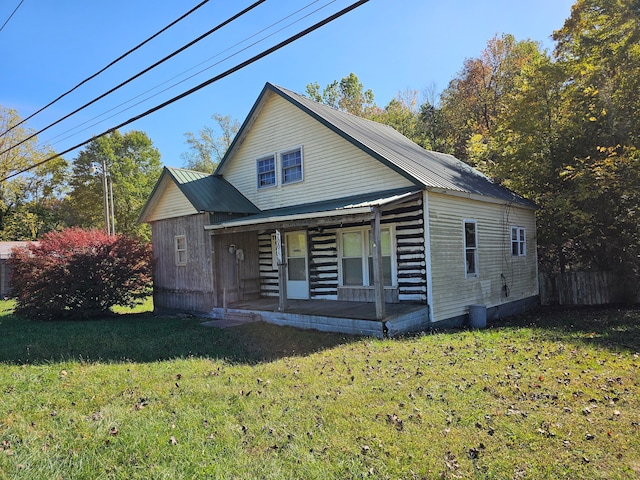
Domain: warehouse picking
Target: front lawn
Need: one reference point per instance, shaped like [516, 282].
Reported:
[554, 394]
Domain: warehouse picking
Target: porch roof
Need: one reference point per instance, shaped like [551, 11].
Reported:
[352, 205]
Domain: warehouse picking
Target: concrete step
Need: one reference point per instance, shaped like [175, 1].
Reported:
[243, 317]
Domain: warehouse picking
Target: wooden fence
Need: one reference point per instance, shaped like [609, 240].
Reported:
[587, 288]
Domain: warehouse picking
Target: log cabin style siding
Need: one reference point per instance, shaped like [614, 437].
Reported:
[410, 284]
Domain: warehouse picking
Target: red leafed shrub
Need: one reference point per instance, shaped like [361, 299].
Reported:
[79, 274]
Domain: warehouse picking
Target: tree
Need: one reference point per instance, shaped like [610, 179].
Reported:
[348, 95]
[401, 113]
[134, 166]
[210, 145]
[599, 47]
[80, 274]
[473, 100]
[600, 44]
[29, 202]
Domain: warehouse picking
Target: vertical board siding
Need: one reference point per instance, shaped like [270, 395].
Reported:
[407, 220]
[501, 277]
[188, 287]
[236, 276]
[331, 165]
[585, 288]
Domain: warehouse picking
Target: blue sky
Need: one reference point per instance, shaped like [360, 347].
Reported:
[391, 45]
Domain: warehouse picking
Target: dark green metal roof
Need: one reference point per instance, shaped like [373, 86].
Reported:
[206, 192]
[210, 193]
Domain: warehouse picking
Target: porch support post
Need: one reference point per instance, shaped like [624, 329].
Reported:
[378, 280]
[282, 273]
[282, 284]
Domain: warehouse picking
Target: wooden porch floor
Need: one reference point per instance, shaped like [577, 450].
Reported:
[329, 308]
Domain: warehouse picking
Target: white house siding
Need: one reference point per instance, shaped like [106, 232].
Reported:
[452, 292]
[172, 203]
[407, 220]
[188, 287]
[332, 167]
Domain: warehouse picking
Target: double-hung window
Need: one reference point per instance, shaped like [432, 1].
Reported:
[266, 171]
[291, 164]
[356, 257]
[471, 248]
[518, 242]
[180, 243]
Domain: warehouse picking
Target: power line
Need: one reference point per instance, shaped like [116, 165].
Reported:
[206, 83]
[12, 14]
[194, 74]
[139, 74]
[121, 57]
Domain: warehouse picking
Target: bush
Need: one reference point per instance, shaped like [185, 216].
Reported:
[80, 274]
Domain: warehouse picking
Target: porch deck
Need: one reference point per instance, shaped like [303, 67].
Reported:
[331, 315]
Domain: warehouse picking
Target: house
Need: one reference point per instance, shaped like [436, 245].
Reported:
[6, 250]
[321, 219]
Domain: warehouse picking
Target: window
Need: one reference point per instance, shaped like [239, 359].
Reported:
[356, 257]
[471, 248]
[267, 171]
[291, 163]
[181, 249]
[518, 242]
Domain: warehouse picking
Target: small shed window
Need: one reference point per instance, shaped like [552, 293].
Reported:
[266, 171]
[291, 162]
[518, 242]
[181, 249]
[471, 248]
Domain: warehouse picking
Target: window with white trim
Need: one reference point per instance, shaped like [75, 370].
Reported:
[518, 242]
[470, 248]
[266, 171]
[181, 249]
[356, 257]
[291, 166]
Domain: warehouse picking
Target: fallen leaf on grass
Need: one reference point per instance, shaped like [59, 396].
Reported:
[394, 420]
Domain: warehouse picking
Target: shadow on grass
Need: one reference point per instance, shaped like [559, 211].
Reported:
[613, 327]
[146, 338]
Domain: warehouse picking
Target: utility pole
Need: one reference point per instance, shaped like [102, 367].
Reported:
[107, 198]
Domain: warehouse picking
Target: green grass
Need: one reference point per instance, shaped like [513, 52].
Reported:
[554, 394]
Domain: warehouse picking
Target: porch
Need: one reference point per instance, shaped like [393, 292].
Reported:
[356, 318]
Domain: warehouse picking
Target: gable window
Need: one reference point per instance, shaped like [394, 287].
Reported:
[471, 248]
[181, 249]
[266, 171]
[356, 257]
[518, 242]
[291, 164]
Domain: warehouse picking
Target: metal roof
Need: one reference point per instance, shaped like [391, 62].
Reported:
[206, 192]
[335, 207]
[210, 193]
[431, 170]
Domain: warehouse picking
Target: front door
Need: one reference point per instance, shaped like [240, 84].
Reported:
[297, 274]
